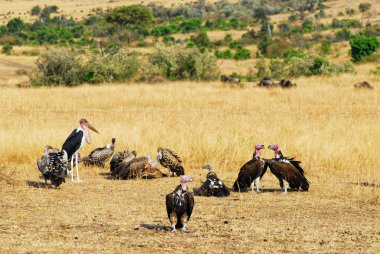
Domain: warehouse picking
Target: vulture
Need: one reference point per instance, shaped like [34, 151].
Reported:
[213, 186]
[171, 160]
[131, 169]
[251, 172]
[53, 165]
[152, 172]
[119, 160]
[179, 205]
[287, 170]
[99, 156]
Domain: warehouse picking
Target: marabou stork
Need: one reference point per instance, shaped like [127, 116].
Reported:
[179, 205]
[75, 142]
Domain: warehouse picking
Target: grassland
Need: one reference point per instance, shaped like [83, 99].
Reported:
[323, 122]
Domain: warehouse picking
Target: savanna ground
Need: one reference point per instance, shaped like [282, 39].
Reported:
[327, 125]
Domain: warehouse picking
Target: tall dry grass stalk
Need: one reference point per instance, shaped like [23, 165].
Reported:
[324, 122]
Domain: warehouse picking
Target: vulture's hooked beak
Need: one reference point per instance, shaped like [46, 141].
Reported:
[91, 127]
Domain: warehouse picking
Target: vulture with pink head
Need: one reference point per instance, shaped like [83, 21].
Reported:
[179, 205]
[251, 172]
[287, 170]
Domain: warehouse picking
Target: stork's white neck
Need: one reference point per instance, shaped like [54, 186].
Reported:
[86, 133]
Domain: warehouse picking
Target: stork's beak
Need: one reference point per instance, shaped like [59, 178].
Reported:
[92, 128]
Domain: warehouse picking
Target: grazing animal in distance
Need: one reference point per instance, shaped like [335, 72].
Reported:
[251, 172]
[170, 160]
[287, 170]
[75, 142]
[213, 186]
[287, 84]
[363, 85]
[229, 79]
[180, 204]
[99, 156]
[53, 165]
[266, 82]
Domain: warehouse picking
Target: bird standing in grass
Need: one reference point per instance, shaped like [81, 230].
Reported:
[170, 160]
[288, 171]
[75, 142]
[99, 156]
[251, 172]
[180, 204]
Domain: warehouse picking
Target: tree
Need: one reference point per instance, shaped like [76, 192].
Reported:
[129, 20]
[36, 10]
[15, 25]
[363, 7]
[261, 14]
[362, 46]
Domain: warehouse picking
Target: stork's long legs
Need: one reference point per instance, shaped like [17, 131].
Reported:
[71, 169]
[76, 164]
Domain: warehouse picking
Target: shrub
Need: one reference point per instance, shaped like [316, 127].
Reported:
[120, 66]
[376, 70]
[277, 48]
[343, 35]
[348, 23]
[6, 49]
[326, 47]
[177, 63]
[242, 53]
[362, 46]
[36, 10]
[291, 53]
[225, 54]
[190, 25]
[163, 30]
[308, 25]
[15, 25]
[57, 67]
[202, 40]
[168, 39]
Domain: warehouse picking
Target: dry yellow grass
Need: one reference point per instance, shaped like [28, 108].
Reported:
[324, 123]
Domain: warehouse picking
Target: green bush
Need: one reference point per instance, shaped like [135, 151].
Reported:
[326, 47]
[308, 25]
[6, 49]
[291, 53]
[15, 25]
[242, 53]
[36, 10]
[362, 46]
[57, 67]
[343, 35]
[120, 66]
[225, 54]
[178, 63]
[348, 23]
[190, 25]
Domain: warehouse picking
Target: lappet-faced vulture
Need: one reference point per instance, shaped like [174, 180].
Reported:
[170, 160]
[287, 170]
[213, 186]
[179, 205]
[251, 172]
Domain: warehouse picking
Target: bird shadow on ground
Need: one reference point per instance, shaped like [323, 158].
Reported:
[106, 175]
[263, 190]
[156, 227]
[366, 184]
[38, 185]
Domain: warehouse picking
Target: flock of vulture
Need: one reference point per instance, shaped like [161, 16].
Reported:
[55, 166]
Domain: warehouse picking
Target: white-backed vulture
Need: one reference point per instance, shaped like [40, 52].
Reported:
[170, 160]
[99, 156]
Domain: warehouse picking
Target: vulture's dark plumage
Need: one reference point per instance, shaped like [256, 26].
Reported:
[132, 169]
[122, 156]
[53, 165]
[179, 205]
[251, 172]
[287, 170]
[99, 156]
[170, 160]
[213, 186]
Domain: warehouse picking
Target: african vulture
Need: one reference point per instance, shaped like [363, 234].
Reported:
[251, 172]
[53, 165]
[118, 158]
[132, 169]
[363, 84]
[99, 156]
[170, 160]
[213, 186]
[179, 205]
[287, 170]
